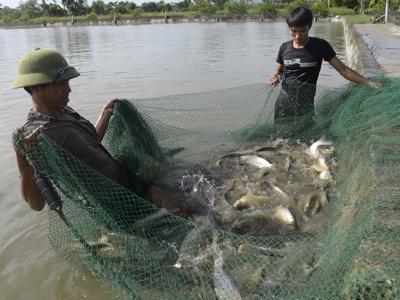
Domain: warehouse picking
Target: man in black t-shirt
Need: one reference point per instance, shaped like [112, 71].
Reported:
[298, 65]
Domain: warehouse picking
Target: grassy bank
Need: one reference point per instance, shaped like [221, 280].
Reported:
[358, 19]
[143, 17]
[136, 16]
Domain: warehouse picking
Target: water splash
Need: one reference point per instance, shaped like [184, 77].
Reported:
[197, 188]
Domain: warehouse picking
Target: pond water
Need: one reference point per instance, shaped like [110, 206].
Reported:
[126, 62]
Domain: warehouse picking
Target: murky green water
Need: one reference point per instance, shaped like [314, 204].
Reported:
[124, 61]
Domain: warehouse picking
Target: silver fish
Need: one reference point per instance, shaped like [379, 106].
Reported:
[160, 213]
[256, 161]
[189, 247]
[260, 173]
[250, 182]
[284, 218]
[266, 221]
[105, 243]
[224, 288]
[311, 203]
[320, 165]
[250, 200]
[314, 147]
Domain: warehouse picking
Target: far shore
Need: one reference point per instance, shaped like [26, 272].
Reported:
[150, 20]
[144, 20]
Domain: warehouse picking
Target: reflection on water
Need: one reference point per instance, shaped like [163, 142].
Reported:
[119, 61]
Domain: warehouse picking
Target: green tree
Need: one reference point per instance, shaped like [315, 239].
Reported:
[204, 7]
[67, 4]
[150, 7]
[92, 16]
[395, 4]
[183, 5]
[109, 8]
[31, 9]
[236, 8]
[98, 7]
[76, 7]
[266, 9]
[376, 5]
[168, 7]
[161, 6]
[136, 13]
[9, 15]
[220, 3]
[347, 3]
[52, 10]
[319, 8]
[124, 7]
[295, 4]
[80, 8]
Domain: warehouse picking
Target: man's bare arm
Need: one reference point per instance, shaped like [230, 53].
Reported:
[29, 190]
[276, 77]
[104, 118]
[351, 74]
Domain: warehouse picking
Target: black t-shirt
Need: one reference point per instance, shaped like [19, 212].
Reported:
[304, 64]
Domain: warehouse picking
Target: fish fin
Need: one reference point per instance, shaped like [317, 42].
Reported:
[172, 152]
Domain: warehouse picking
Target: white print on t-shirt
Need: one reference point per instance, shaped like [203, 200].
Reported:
[290, 62]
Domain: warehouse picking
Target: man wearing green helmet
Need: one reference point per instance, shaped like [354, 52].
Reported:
[45, 75]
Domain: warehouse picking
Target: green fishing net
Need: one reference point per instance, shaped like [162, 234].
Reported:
[139, 251]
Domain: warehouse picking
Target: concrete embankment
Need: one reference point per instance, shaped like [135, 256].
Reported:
[359, 56]
[373, 49]
[383, 40]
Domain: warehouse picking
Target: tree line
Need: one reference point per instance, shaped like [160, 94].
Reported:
[35, 10]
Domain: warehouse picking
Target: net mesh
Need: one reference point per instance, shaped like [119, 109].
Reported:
[137, 250]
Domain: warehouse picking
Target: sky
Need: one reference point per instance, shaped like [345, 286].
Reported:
[15, 3]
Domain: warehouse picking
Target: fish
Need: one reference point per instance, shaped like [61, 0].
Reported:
[314, 147]
[224, 288]
[189, 247]
[256, 161]
[266, 221]
[260, 173]
[223, 213]
[104, 243]
[250, 200]
[235, 191]
[325, 175]
[320, 165]
[250, 151]
[284, 217]
[256, 189]
[115, 253]
[151, 218]
[288, 163]
[285, 196]
[311, 203]
[248, 276]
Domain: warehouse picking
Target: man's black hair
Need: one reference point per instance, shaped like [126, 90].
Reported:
[28, 90]
[300, 17]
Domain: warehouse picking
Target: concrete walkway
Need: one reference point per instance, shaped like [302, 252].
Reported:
[384, 42]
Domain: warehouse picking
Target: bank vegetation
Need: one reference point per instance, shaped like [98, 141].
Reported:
[45, 13]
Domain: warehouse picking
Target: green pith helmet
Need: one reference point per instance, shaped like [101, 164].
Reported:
[42, 66]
